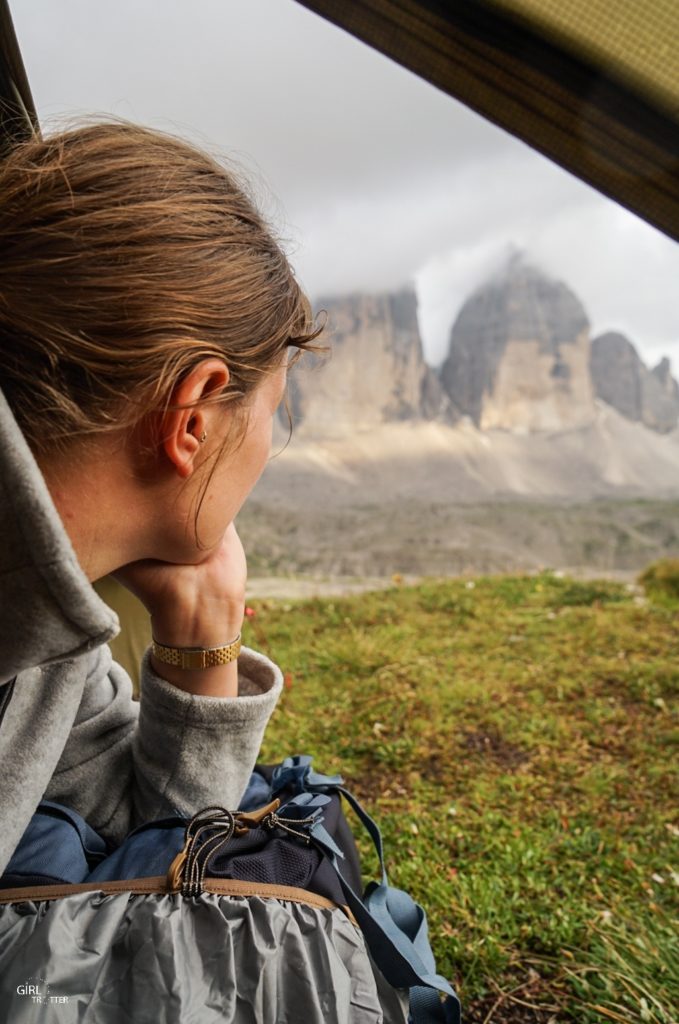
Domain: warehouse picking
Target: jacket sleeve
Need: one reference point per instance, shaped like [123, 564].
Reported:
[128, 762]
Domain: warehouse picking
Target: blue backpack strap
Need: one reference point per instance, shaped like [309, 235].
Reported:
[425, 1005]
[405, 923]
[427, 1008]
[394, 925]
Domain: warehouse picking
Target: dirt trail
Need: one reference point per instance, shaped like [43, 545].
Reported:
[301, 587]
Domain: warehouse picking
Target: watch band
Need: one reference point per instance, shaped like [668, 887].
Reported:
[197, 657]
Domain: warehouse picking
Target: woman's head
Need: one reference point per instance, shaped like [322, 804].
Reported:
[128, 257]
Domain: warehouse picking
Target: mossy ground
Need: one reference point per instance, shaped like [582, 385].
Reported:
[516, 738]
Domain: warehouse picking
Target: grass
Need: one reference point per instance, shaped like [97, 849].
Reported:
[516, 738]
[661, 580]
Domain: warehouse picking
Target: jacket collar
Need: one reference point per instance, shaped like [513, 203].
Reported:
[49, 611]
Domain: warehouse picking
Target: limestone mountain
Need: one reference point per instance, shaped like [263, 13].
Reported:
[622, 380]
[523, 406]
[375, 371]
[519, 354]
[520, 360]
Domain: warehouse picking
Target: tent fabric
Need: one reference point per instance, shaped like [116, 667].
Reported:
[592, 85]
[18, 117]
[629, 37]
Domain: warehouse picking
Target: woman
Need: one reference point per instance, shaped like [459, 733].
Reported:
[146, 314]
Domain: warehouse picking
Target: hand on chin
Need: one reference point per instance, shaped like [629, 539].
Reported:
[188, 600]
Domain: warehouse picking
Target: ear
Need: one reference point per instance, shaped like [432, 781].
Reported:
[188, 420]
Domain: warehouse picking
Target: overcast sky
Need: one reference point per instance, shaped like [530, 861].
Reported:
[374, 178]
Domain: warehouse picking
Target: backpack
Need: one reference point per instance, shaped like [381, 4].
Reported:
[288, 841]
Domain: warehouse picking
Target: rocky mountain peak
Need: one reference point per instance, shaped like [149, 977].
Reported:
[374, 373]
[520, 360]
[623, 380]
[518, 356]
[663, 374]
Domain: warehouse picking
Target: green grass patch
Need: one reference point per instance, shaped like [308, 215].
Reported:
[660, 580]
[516, 738]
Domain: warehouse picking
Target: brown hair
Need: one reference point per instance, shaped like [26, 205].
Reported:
[127, 257]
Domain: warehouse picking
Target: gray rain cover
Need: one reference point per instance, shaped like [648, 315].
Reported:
[123, 958]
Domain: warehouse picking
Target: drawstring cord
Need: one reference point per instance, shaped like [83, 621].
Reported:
[223, 826]
[273, 821]
[212, 828]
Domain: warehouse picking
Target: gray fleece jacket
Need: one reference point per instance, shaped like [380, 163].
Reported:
[71, 731]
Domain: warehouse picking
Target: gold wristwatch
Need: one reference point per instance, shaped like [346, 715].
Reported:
[197, 657]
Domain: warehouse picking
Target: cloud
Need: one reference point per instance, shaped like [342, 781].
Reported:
[623, 270]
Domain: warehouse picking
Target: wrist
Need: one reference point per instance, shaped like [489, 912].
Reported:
[185, 630]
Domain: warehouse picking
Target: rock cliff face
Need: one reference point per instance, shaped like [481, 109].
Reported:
[519, 355]
[622, 380]
[520, 360]
[616, 373]
[375, 372]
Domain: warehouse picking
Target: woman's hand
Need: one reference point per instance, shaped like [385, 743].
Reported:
[198, 605]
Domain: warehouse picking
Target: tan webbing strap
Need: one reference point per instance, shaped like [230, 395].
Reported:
[158, 884]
